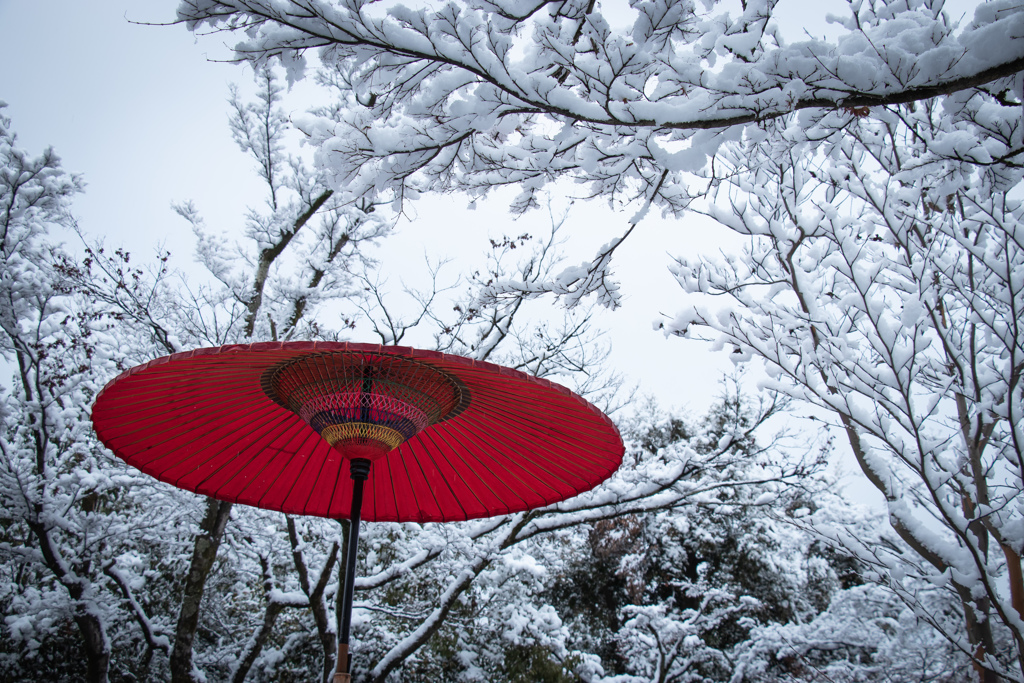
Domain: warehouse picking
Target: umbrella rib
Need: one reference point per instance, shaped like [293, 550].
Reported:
[312, 489]
[426, 449]
[439, 435]
[528, 420]
[213, 429]
[291, 454]
[525, 455]
[164, 408]
[267, 426]
[430, 489]
[307, 436]
[402, 468]
[500, 458]
[564, 409]
[527, 443]
[454, 429]
[224, 444]
[560, 467]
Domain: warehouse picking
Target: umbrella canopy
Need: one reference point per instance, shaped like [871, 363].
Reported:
[271, 424]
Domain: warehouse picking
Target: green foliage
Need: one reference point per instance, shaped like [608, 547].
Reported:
[589, 594]
[537, 664]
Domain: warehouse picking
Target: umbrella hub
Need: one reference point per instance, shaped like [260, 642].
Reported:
[365, 404]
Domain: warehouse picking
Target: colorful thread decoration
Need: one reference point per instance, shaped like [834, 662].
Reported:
[365, 404]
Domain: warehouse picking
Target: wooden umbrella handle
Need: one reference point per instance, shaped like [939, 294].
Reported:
[341, 671]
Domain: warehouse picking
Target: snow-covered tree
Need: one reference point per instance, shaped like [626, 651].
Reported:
[261, 609]
[884, 284]
[673, 595]
[53, 485]
[627, 99]
[866, 634]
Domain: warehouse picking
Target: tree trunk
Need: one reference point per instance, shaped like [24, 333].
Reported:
[94, 636]
[328, 636]
[259, 639]
[315, 594]
[97, 649]
[204, 552]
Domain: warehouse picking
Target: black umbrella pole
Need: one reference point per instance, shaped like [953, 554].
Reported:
[360, 470]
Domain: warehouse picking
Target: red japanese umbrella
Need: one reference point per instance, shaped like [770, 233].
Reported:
[435, 437]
